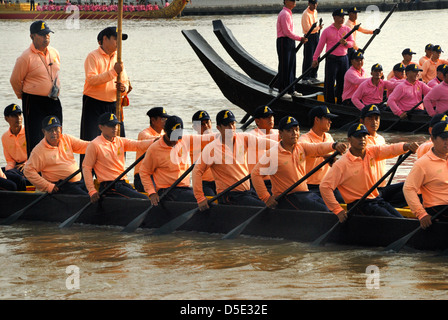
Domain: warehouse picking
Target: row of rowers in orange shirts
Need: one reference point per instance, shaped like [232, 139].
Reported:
[276, 159]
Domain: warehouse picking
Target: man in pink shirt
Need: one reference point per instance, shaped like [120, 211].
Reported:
[35, 80]
[286, 45]
[436, 101]
[14, 146]
[354, 76]
[372, 91]
[336, 64]
[429, 176]
[408, 93]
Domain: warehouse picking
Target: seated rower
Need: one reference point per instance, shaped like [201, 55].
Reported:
[320, 121]
[439, 76]
[6, 184]
[354, 174]
[165, 161]
[285, 163]
[429, 175]
[408, 93]
[428, 54]
[52, 160]
[371, 91]
[202, 124]
[157, 117]
[105, 156]
[407, 60]
[436, 101]
[429, 68]
[227, 157]
[398, 71]
[427, 145]
[14, 146]
[354, 76]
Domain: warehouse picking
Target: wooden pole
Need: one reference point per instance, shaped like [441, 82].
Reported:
[118, 110]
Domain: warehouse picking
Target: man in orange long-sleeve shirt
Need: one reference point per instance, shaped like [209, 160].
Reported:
[105, 156]
[429, 175]
[35, 80]
[53, 158]
[355, 173]
[285, 163]
[100, 88]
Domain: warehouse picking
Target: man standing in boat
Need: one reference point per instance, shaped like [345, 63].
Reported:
[52, 160]
[429, 176]
[286, 48]
[309, 17]
[35, 80]
[355, 173]
[100, 87]
[285, 163]
[336, 64]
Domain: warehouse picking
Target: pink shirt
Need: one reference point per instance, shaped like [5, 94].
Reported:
[331, 36]
[406, 95]
[368, 93]
[352, 79]
[285, 25]
[436, 101]
[433, 82]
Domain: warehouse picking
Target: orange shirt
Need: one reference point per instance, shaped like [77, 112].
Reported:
[308, 19]
[423, 60]
[313, 161]
[378, 140]
[430, 176]
[106, 158]
[145, 134]
[32, 73]
[199, 142]
[424, 148]
[273, 135]
[430, 69]
[354, 176]
[285, 168]
[101, 76]
[14, 148]
[54, 163]
[228, 165]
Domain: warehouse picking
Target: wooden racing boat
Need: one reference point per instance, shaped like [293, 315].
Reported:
[302, 226]
[248, 93]
[22, 12]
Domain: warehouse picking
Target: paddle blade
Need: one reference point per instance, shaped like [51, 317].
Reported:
[134, 224]
[235, 232]
[323, 238]
[400, 243]
[67, 223]
[176, 222]
[12, 218]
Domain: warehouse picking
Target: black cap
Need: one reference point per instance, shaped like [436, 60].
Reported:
[108, 119]
[356, 55]
[12, 109]
[263, 112]
[441, 68]
[377, 67]
[157, 112]
[339, 12]
[201, 115]
[313, 1]
[369, 110]
[174, 127]
[408, 51]
[51, 122]
[287, 122]
[224, 117]
[440, 130]
[110, 31]
[429, 46]
[40, 27]
[320, 111]
[440, 117]
[413, 67]
[437, 48]
[357, 130]
[353, 9]
[399, 67]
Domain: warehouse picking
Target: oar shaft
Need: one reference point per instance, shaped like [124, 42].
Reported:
[399, 119]
[381, 25]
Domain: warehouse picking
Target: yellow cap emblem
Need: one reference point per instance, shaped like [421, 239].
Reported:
[289, 120]
[201, 114]
[176, 126]
[226, 115]
[52, 119]
[112, 117]
[360, 126]
[446, 128]
[42, 27]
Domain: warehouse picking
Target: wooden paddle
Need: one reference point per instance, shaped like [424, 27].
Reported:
[281, 94]
[238, 229]
[183, 218]
[118, 108]
[400, 243]
[323, 238]
[134, 224]
[72, 219]
[12, 218]
[274, 80]
[399, 119]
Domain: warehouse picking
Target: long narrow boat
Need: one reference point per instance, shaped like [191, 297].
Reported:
[248, 94]
[301, 226]
[11, 12]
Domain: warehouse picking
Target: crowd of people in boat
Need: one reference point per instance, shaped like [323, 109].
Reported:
[206, 163]
[100, 6]
[420, 86]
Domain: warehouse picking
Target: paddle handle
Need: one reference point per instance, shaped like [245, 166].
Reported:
[233, 186]
[399, 119]
[381, 25]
